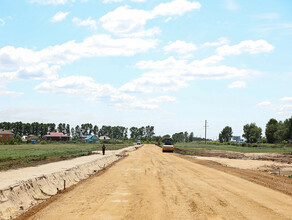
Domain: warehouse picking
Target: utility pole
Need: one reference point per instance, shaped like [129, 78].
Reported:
[205, 131]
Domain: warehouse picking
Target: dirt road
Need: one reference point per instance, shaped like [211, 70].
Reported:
[149, 184]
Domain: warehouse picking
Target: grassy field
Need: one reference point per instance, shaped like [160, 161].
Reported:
[15, 156]
[260, 149]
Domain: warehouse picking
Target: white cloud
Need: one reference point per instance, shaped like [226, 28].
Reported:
[51, 2]
[2, 22]
[279, 109]
[221, 41]
[59, 16]
[264, 104]
[10, 93]
[231, 5]
[247, 46]
[237, 84]
[87, 87]
[286, 99]
[180, 47]
[163, 99]
[125, 21]
[176, 7]
[88, 22]
[171, 74]
[109, 1]
[43, 64]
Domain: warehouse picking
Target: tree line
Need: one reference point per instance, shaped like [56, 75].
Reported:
[77, 132]
[184, 137]
[275, 132]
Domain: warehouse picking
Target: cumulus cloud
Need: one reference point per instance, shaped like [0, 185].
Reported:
[264, 103]
[10, 93]
[172, 74]
[87, 87]
[109, 1]
[163, 99]
[278, 108]
[126, 21]
[25, 63]
[52, 2]
[237, 84]
[88, 22]
[247, 46]
[221, 41]
[59, 16]
[286, 99]
[180, 47]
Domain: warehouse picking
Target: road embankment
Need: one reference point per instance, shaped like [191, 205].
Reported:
[24, 188]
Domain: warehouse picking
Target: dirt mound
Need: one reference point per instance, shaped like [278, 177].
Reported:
[277, 157]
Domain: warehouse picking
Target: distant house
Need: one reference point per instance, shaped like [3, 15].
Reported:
[30, 137]
[91, 139]
[104, 138]
[235, 139]
[53, 136]
[6, 135]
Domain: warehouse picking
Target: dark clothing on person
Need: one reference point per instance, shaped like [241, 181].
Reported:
[103, 149]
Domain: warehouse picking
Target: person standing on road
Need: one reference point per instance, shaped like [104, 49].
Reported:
[103, 149]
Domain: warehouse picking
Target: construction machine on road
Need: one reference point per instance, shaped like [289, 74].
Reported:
[168, 145]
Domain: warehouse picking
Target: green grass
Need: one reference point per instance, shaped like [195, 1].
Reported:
[260, 149]
[15, 156]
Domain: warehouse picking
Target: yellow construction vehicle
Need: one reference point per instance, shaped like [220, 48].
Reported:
[168, 145]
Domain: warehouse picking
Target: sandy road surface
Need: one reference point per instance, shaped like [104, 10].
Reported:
[149, 184]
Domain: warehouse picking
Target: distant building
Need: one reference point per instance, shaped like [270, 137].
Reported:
[104, 138]
[30, 137]
[53, 136]
[235, 139]
[91, 139]
[6, 135]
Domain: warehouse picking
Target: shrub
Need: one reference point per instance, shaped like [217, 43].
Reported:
[284, 142]
[17, 139]
[43, 142]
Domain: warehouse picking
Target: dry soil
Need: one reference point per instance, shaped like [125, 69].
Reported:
[149, 184]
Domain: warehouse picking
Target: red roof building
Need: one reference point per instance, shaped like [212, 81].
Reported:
[53, 136]
[6, 135]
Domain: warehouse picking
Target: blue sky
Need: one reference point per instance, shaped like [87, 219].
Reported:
[168, 63]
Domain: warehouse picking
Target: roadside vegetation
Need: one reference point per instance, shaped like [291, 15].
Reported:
[25, 155]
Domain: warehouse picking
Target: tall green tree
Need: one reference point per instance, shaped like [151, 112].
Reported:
[134, 132]
[271, 129]
[252, 133]
[68, 130]
[288, 125]
[226, 134]
[191, 137]
[95, 130]
[178, 137]
[78, 133]
[282, 132]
